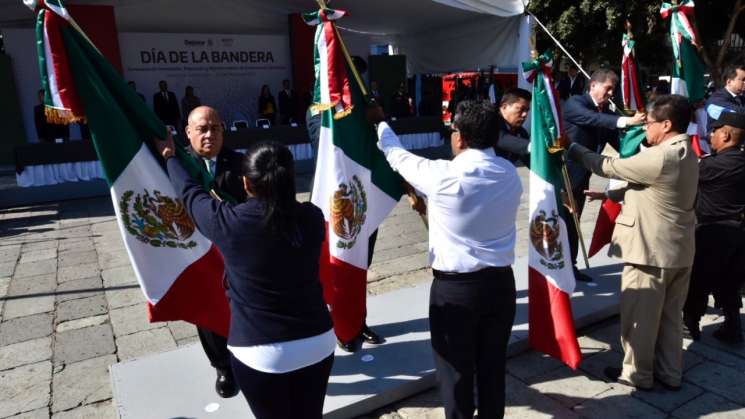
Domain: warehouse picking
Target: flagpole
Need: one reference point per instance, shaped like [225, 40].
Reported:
[565, 176]
[344, 50]
[409, 191]
[556, 41]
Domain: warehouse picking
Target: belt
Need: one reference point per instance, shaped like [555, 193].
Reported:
[470, 275]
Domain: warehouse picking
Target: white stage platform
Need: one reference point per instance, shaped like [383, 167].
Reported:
[180, 383]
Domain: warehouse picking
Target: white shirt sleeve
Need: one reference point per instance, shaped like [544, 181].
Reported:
[423, 174]
[622, 122]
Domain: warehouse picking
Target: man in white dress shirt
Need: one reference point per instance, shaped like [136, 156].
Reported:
[472, 202]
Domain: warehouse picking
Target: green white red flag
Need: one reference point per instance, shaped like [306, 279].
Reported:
[179, 270]
[354, 185]
[550, 276]
[632, 97]
[609, 210]
[688, 69]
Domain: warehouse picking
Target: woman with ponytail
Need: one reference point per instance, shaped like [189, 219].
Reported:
[281, 338]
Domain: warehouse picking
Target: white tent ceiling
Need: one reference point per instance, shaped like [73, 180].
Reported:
[392, 17]
[447, 34]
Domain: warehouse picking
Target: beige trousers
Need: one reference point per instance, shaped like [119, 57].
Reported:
[651, 323]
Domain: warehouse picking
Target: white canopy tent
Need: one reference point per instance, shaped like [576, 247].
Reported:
[435, 35]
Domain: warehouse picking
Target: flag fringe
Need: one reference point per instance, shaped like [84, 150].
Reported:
[62, 116]
[342, 114]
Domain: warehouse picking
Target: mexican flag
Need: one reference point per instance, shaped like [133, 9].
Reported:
[179, 270]
[609, 210]
[688, 69]
[632, 96]
[550, 275]
[354, 185]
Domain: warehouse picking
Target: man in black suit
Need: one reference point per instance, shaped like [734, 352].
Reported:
[572, 84]
[205, 133]
[165, 105]
[132, 85]
[514, 141]
[43, 128]
[287, 103]
[730, 96]
[589, 122]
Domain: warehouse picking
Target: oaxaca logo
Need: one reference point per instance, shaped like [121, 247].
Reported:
[348, 209]
[545, 233]
[157, 220]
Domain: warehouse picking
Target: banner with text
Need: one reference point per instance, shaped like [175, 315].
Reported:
[226, 71]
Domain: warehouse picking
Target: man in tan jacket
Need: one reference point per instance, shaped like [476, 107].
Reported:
[654, 235]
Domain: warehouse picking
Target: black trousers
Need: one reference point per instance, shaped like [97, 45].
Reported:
[216, 349]
[578, 191]
[471, 317]
[718, 268]
[297, 394]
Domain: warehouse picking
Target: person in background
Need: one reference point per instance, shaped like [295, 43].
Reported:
[375, 93]
[400, 102]
[281, 339]
[589, 121]
[572, 84]
[720, 231]
[266, 105]
[205, 133]
[729, 96]
[514, 140]
[43, 128]
[47, 131]
[165, 105]
[288, 102]
[472, 300]
[133, 86]
[189, 101]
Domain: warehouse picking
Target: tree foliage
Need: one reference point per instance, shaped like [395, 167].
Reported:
[591, 30]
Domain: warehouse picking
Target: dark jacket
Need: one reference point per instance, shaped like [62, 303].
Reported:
[167, 110]
[229, 172]
[267, 108]
[513, 144]
[567, 89]
[287, 105]
[721, 186]
[724, 98]
[274, 288]
[586, 125]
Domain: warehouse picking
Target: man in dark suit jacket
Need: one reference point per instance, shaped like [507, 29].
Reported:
[205, 133]
[287, 103]
[589, 121]
[571, 85]
[514, 141]
[165, 105]
[729, 96]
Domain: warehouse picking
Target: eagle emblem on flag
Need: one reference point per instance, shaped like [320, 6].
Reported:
[158, 220]
[544, 235]
[348, 212]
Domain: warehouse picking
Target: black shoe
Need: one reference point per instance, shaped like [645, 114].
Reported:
[225, 385]
[371, 337]
[667, 386]
[692, 328]
[351, 346]
[614, 374]
[579, 276]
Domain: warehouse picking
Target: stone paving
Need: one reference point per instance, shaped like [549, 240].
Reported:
[70, 307]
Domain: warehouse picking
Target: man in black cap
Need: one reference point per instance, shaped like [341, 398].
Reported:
[720, 232]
